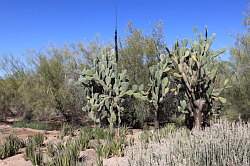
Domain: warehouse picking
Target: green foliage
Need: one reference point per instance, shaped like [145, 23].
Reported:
[105, 89]
[53, 149]
[112, 146]
[157, 135]
[159, 85]
[33, 151]
[108, 144]
[50, 87]
[66, 130]
[135, 112]
[11, 146]
[10, 97]
[100, 133]
[37, 140]
[65, 155]
[83, 139]
[239, 72]
[42, 87]
[139, 51]
[32, 125]
[37, 158]
[194, 71]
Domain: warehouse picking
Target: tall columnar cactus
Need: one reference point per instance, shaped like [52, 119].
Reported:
[195, 70]
[105, 89]
[159, 85]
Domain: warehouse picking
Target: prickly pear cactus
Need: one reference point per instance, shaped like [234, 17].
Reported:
[159, 85]
[105, 89]
[195, 70]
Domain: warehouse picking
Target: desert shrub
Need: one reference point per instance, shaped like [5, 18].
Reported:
[85, 135]
[239, 72]
[32, 125]
[109, 149]
[112, 145]
[221, 144]
[37, 158]
[135, 113]
[54, 149]
[100, 133]
[33, 151]
[43, 87]
[66, 130]
[13, 71]
[65, 155]
[157, 135]
[97, 133]
[11, 146]
[36, 140]
[139, 51]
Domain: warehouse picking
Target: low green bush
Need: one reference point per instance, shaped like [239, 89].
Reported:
[33, 150]
[112, 145]
[32, 125]
[37, 139]
[66, 130]
[65, 155]
[11, 146]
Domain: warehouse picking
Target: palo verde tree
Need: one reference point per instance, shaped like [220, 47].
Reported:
[239, 94]
[139, 51]
[106, 89]
[194, 70]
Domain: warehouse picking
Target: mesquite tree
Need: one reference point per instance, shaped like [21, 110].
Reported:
[194, 70]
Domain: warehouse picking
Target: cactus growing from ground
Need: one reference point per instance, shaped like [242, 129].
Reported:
[194, 69]
[159, 85]
[105, 89]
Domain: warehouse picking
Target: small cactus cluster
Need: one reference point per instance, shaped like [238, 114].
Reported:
[105, 89]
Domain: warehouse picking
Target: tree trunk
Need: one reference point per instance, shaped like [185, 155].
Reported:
[197, 119]
[198, 113]
[156, 120]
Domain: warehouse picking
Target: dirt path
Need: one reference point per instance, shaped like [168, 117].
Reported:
[23, 133]
[52, 136]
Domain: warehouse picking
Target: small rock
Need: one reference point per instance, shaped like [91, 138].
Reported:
[17, 160]
[88, 157]
[116, 161]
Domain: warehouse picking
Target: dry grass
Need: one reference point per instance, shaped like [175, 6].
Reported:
[222, 144]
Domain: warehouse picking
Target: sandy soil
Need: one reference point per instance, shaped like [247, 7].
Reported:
[89, 155]
[17, 160]
[24, 133]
